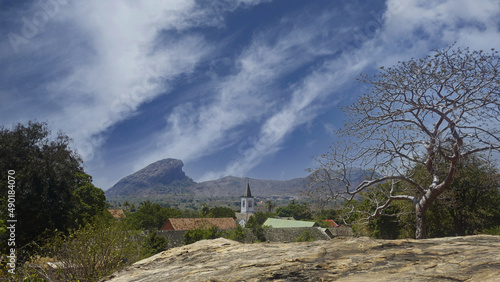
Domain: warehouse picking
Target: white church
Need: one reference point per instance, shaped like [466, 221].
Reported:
[247, 207]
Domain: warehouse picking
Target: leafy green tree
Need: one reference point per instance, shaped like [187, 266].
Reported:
[198, 234]
[255, 223]
[90, 200]
[472, 203]
[218, 212]
[48, 176]
[470, 206]
[257, 219]
[205, 210]
[238, 234]
[151, 216]
[299, 212]
[153, 243]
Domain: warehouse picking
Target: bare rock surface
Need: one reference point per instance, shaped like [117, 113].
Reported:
[470, 258]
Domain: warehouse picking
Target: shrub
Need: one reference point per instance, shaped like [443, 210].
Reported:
[305, 237]
[198, 234]
[154, 244]
[492, 231]
[238, 234]
[94, 251]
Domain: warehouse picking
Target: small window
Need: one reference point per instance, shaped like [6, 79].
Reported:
[243, 203]
[249, 204]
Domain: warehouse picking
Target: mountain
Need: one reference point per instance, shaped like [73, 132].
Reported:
[162, 177]
[166, 178]
[235, 186]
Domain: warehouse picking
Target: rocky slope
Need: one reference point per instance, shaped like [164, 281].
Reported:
[162, 177]
[472, 258]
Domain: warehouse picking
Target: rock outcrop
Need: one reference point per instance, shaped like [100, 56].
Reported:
[471, 258]
[162, 177]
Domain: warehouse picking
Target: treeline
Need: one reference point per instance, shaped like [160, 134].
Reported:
[470, 206]
[60, 215]
[50, 210]
[152, 216]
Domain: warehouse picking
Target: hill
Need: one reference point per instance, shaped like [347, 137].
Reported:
[471, 258]
[234, 186]
[160, 178]
[166, 179]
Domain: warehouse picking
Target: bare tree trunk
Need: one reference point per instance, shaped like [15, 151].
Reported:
[421, 222]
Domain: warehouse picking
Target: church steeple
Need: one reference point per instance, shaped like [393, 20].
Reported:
[248, 193]
[247, 201]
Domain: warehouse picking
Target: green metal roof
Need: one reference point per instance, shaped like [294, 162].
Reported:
[283, 223]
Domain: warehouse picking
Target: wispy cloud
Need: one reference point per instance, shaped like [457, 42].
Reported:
[405, 30]
[251, 95]
[91, 65]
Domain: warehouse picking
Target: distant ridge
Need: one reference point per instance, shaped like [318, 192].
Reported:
[235, 186]
[166, 178]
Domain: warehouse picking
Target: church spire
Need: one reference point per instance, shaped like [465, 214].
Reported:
[248, 193]
[247, 201]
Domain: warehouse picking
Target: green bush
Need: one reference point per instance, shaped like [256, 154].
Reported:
[96, 250]
[492, 231]
[154, 244]
[238, 234]
[259, 233]
[305, 237]
[198, 234]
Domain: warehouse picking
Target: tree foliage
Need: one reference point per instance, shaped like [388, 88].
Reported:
[470, 206]
[95, 250]
[270, 205]
[51, 186]
[218, 212]
[154, 243]
[297, 211]
[90, 200]
[257, 219]
[238, 234]
[198, 234]
[151, 216]
[445, 106]
[305, 237]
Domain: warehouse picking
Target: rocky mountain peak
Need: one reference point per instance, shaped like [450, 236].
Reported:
[161, 177]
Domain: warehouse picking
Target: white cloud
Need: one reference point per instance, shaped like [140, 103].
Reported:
[396, 40]
[469, 23]
[304, 106]
[246, 96]
[126, 68]
[128, 60]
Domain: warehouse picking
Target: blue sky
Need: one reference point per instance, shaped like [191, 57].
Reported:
[242, 87]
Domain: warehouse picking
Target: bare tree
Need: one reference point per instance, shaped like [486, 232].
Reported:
[444, 106]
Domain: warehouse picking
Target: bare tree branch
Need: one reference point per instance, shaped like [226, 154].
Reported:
[442, 107]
